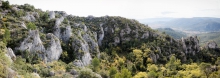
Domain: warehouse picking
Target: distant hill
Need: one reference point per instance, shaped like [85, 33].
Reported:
[173, 33]
[212, 36]
[205, 24]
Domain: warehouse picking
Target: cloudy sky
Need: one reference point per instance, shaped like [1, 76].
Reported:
[135, 9]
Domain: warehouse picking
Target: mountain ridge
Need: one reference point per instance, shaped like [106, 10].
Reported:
[55, 44]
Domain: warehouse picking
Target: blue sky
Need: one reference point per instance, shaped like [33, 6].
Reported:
[135, 9]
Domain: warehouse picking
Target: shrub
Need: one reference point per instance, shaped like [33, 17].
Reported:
[112, 72]
[95, 64]
[5, 5]
[31, 26]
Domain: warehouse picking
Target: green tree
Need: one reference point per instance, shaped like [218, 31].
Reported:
[173, 63]
[112, 72]
[95, 64]
[5, 5]
[206, 69]
[124, 74]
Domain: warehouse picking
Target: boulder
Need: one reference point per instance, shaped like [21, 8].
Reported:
[73, 72]
[211, 45]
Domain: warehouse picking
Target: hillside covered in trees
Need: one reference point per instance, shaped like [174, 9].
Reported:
[53, 44]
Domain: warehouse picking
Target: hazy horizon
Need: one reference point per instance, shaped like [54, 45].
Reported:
[132, 9]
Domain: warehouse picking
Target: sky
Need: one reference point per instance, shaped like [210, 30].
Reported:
[134, 9]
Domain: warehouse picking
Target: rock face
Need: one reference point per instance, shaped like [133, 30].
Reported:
[191, 45]
[11, 54]
[85, 44]
[52, 14]
[101, 35]
[33, 44]
[54, 50]
[31, 16]
[57, 26]
[66, 34]
[211, 45]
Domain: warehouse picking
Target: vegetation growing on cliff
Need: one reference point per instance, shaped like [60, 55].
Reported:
[128, 48]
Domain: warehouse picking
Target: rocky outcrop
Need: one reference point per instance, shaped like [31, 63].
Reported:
[57, 26]
[23, 25]
[62, 13]
[52, 14]
[53, 49]
[84, 44]
[66, 34]
[11, 54]
[191, 45]
[211, 45]
[31, 16]
[145, 35]
[101, 35]
[33, 44]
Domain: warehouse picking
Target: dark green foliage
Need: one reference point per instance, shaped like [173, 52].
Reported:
[95, 63]
[5, 5]
[7, 34]
[27, 7]
[112, 72]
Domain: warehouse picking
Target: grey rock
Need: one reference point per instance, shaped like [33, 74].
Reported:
[52, 73]
[57, 26]
[190, 45]
[73, 72]
[117, 41]
[84, 44]
[52, 14]
[54, 50]
[23, 25]
[101, 35]
[11, 54]
[78, 63]
[31, 16]
[14, 8]
[33, 44]
[145, 35]
[211, 45]
[66, 34]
